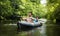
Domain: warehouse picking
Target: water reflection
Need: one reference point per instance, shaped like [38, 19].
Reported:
[45, 30]
[53, 30]
[40, 31]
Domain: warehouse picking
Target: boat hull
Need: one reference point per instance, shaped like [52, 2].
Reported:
[25, 27]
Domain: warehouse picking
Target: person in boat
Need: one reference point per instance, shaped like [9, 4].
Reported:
[36, 20]
[29, 18]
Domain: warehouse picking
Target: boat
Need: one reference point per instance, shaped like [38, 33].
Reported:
[26, 26]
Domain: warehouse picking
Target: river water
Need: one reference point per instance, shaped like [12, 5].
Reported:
[45, 30]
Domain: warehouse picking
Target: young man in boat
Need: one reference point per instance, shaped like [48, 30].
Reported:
[30, 19]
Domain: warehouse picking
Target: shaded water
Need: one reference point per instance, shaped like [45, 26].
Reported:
[45, 30]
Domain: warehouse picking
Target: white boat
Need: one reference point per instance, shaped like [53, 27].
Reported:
[23, 25]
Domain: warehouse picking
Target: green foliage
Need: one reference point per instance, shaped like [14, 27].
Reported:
[53, 6]
[22, 7]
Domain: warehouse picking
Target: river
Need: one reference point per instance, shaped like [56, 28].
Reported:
[45, 30]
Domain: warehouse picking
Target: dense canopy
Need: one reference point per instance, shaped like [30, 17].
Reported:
[43, 8]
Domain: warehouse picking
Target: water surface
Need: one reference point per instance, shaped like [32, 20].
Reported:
[45, 30]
